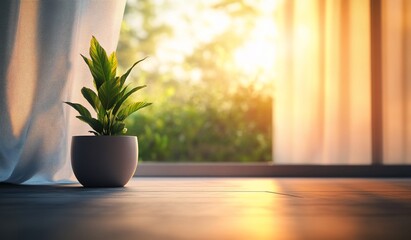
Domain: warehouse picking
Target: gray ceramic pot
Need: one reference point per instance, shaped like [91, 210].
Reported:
[104, 161]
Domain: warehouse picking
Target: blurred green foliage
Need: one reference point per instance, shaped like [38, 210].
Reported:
[216, 118]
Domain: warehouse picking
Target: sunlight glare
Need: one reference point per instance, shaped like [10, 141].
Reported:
[256, 56]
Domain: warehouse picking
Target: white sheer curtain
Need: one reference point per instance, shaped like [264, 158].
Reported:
[40, 67]
[322, 107]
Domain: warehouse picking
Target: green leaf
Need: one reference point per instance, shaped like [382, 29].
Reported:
[108, 94]
[125, 75]
[127, 111]
[101, 64]
[95, 133]
[98, 80]
[88, 62]
[101, 114]
[117, 82]
[113, 62]
[124, 98]
[80, 109]
[92, 98]
[94, 123]
[117, 128]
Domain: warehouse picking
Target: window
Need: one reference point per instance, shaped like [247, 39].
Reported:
[212, 86]
[280, 82]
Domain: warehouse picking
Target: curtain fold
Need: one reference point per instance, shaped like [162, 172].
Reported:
[40, 67]
[396, 51]
[322, 107]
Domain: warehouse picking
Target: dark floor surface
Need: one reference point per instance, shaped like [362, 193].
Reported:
[211, 208]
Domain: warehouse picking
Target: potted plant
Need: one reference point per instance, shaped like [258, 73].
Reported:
[109, 158]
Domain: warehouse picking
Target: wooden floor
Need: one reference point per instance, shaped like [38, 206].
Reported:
[211, 208]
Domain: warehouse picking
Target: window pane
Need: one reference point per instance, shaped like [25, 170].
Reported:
[209, 71]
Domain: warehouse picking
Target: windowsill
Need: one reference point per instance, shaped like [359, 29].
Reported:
[269, 170]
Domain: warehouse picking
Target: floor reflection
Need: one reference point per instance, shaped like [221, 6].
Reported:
[211, 208]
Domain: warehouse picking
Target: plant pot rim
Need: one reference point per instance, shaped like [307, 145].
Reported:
[104, 136]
